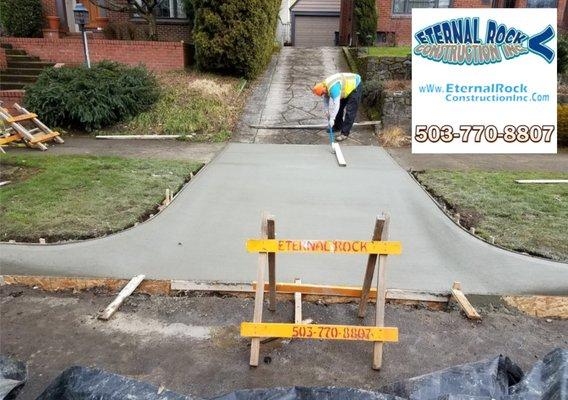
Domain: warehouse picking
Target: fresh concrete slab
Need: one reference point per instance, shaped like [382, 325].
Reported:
[201, 235]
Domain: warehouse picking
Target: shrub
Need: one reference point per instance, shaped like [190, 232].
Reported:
[563, 54]
[234, 36]
[21, 18]
[373, 98]
[562, 113]
[366, 19]
[82, 98]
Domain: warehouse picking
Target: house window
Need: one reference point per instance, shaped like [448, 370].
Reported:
[169, 9]
[406, 6]
[541, 3]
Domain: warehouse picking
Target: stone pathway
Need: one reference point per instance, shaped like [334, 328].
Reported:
[283, 96]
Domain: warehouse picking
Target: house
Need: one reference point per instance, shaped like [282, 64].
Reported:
[329, 22]
[172, 22]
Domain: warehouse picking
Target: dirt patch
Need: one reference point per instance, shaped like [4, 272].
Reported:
[16, 173]
[53, 331]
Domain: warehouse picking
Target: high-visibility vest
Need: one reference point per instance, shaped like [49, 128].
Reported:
[347, 80]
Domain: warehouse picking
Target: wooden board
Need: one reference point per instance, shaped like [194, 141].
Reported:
[56, 284]
[540, 306]
[259, 293]
[323, 332]
[23, 117]
[370, 269]
[541, 181]
[338, 154]
[124, 293]
[323, 246]
[297, 304]
[463, 302]
[316, 126]
[381, 295]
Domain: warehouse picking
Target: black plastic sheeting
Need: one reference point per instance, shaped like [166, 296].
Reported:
[498, 378]
[12, 377]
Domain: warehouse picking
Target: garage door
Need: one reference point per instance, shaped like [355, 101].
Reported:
[312, 31]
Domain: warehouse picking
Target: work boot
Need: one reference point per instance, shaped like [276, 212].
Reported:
[341, 138]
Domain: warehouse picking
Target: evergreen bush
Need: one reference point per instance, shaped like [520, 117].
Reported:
[234, 36]
[21, 18]
[87, 99]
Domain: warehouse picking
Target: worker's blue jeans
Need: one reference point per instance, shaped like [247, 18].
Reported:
[348, 111]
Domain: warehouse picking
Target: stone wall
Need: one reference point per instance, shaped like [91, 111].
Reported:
[382, 68]
[397, 110]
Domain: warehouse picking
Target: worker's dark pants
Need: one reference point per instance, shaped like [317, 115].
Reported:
[349, 106]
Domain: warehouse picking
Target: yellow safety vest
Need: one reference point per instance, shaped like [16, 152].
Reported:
[347, 80]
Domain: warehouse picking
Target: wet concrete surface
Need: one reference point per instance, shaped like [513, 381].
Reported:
[192, 345]
[283, 96]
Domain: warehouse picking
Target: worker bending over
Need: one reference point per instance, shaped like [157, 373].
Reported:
[341, 95]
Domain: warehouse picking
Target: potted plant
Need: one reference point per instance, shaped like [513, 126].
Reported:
[53, 22]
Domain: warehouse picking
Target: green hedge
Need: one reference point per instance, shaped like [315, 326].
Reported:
[373, 98]
[21, 18]
[87, 99]
[366, 19]
[234, 36]
[563, 54]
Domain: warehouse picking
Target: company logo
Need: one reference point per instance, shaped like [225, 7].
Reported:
[459, 41]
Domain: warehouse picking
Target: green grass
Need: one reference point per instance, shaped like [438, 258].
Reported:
[401, 51]
[76, 197]
[201, 107]
[523, 217]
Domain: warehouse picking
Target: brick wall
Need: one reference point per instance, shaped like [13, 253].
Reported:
[3, 61]
[157, 56]
[170, 31]
[49, 7]
[9, 97]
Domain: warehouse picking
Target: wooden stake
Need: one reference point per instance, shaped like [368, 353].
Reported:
[271, 267]
[371, 263]
[124, 293]
[381, 295]
[259, 296]
[463, 302]
[297, 304]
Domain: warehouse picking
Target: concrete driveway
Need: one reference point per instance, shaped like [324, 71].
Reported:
[201, 235]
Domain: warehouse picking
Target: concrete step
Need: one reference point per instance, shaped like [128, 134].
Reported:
[18, 78]
[21, 57]
[29, 64]
[15, 52]
[12, 85]
[22, 71]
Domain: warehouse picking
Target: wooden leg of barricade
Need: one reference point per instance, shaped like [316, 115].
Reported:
[381, 296]
[259, 296]
[371, 263]
[271, 233]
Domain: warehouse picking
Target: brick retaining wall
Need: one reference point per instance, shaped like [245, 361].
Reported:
[157, 56]
[9, 97]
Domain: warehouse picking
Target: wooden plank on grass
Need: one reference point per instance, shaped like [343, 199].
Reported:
[147, 137]
[324, 332]
[339, 154]
[124, 293]
[463, 302]
[541, 181]
[297, 304]
[323, 246]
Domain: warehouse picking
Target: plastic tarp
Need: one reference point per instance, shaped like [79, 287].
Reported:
[497, 378]
[12, 377]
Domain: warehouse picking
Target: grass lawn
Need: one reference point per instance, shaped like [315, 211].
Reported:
[401, 51]
[523, 217]
[205, 107]
[77, 197]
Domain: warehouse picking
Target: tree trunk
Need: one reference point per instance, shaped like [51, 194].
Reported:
[152, 28]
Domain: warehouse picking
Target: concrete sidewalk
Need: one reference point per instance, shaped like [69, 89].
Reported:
[201, 235]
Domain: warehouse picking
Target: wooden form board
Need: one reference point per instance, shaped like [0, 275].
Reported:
[321, 332]
[338, 154]
[315, 126]
[463, 302]
[542, 181]
[323, 246]
[377, 334]
[124, 293]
